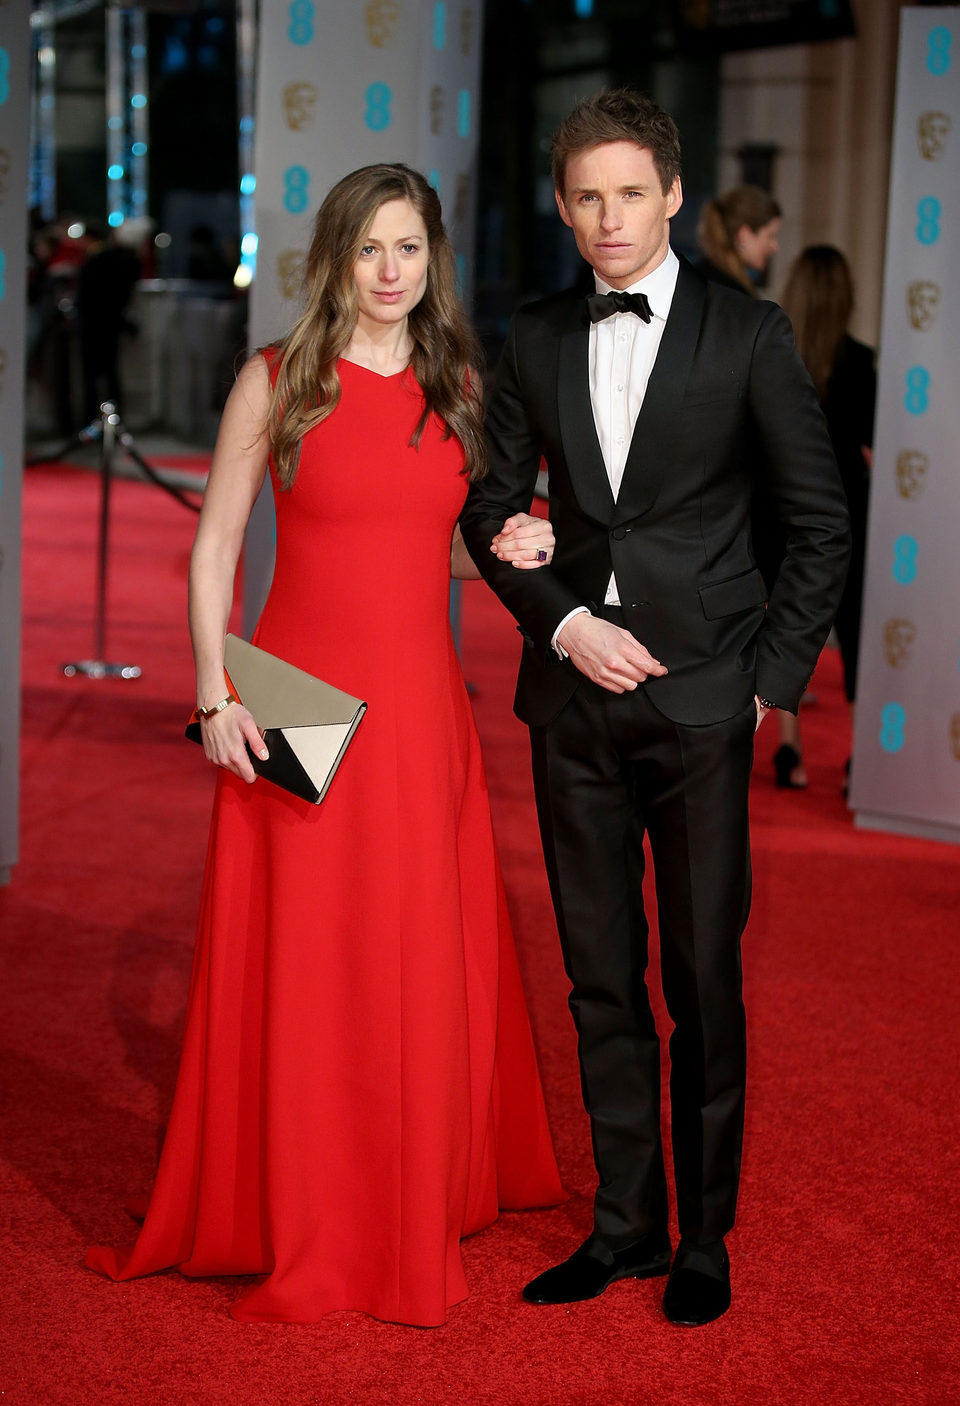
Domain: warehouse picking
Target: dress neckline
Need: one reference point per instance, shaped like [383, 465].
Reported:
[379, 374]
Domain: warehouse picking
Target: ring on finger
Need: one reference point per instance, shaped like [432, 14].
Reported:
[541, 554]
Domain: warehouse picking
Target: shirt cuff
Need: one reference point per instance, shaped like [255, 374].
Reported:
[579, 610]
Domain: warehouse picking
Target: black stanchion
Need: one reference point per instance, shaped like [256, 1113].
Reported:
[106, 430]
[93, 434]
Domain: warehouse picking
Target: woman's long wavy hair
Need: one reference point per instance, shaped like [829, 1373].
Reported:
[818, 299]
[721, 220]
[446, 355]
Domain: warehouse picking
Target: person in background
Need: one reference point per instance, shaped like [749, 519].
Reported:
[61, 257]
[738, 233]
[104, 288]
[358, 1087]
[818, 299]
[206, 260]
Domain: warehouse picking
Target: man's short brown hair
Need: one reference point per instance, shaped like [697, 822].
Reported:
[617, 115]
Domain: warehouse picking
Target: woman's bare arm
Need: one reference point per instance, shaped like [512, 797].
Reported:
[236, 477]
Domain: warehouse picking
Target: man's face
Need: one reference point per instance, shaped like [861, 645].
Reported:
[619, 215]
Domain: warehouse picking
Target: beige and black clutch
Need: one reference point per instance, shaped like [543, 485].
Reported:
[307, 724]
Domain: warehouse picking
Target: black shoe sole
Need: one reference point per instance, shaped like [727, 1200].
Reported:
[715, 1311]
[695, 1322]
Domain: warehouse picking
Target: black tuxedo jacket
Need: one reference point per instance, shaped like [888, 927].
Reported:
[729, 410]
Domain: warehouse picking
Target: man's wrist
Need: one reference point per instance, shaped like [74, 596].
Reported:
[555, 641]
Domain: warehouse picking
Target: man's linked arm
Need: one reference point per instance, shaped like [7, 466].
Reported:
[808, 500]
[537, 599]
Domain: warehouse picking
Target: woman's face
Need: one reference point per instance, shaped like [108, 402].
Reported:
[391, 269]
[757, 247]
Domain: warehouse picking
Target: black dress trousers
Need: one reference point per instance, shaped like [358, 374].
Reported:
[608, 769]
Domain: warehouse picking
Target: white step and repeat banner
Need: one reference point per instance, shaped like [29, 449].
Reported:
[15, 57]
[906, 756]
[341, 86]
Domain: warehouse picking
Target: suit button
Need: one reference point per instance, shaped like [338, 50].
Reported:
[619, 533]
[636, 604]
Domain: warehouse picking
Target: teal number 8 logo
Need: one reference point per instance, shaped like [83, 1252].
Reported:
[928, 219]
[378, 115]
[918, 384]
[4, 75]
[892, 721]
[301, 29]
[905, 559]
[938, 50]
[296, 186]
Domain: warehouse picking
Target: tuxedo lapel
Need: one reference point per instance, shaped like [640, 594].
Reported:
[581, 447]
[650, 447]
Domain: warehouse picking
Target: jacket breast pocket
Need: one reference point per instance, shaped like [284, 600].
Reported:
[720, 598]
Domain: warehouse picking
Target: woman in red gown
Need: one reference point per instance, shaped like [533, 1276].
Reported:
[358, 1088]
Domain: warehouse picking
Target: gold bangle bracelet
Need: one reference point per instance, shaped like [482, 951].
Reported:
[204, 713]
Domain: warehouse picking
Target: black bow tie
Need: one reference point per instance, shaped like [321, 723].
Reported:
[601, 305]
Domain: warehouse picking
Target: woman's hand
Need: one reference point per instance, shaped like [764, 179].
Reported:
[524, 541]
[225, 735]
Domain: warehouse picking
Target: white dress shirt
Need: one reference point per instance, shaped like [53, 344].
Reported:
[623, 349]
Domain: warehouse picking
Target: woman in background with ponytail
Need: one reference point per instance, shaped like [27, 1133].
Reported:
[738, 234]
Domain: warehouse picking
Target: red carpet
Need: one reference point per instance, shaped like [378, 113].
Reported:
[845, 1257]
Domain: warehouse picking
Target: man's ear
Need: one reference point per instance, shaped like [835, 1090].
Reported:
[563, 210]
[674, 198]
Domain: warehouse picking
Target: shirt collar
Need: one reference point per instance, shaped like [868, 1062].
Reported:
[659, 285]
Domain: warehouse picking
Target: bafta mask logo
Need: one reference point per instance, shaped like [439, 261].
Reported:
[380, 18]
[436, 109]
[4, 172]
[923, 299]
[461, 198]
[911, 469]
[468, 22]
[933, 129]
[955, 735]
[299, 101]
[289, 272]
[898, 638]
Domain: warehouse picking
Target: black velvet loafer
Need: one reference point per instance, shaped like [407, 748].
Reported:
[698, 1290]
[592, 1268]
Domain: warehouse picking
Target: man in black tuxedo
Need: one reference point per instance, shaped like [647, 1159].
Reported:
[651, 653]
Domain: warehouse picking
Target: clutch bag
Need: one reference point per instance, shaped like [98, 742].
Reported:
[307, 724]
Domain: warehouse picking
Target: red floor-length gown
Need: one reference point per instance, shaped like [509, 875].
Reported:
[358, 1087]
